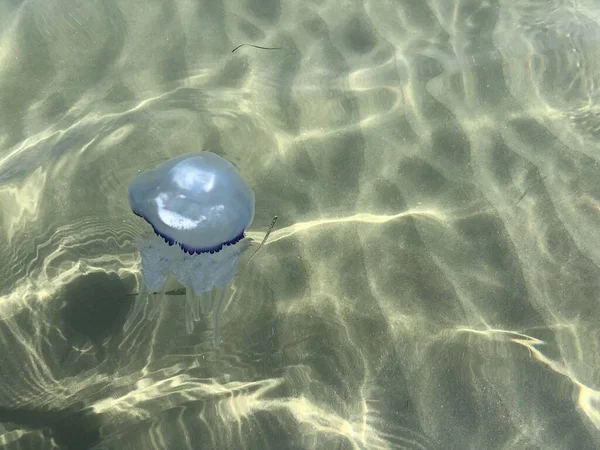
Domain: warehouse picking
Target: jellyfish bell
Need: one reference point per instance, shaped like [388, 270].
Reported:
[199, 207]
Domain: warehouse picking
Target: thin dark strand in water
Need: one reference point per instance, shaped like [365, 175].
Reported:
[178, 291]
[527, 190]
[256, 46]
[261, 244]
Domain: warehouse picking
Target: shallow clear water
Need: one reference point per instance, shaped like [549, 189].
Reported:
[433, 278]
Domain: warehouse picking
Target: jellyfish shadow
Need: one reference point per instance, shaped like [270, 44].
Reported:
[73, 428]
[93, 309]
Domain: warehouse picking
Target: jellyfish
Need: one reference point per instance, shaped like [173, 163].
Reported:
[199, 208]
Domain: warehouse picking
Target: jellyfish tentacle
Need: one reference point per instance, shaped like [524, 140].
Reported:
[193, 303]
[156, 301]
[138, 306]
[219, 303]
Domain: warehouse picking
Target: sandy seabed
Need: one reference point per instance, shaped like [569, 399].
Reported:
[433, 277]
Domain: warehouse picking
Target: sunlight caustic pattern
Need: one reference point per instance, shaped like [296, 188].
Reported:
[434, 281]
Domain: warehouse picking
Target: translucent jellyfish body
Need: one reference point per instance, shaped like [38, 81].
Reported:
[199, 207]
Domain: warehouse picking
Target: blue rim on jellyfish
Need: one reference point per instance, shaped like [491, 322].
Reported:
[169, 240]
[199, 208]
